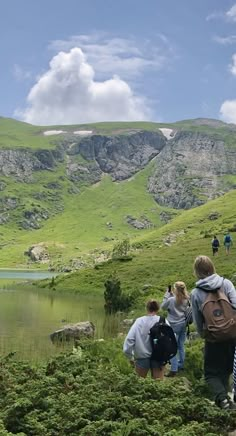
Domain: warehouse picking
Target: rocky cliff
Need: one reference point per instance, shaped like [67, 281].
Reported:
[191, 170]
[192, 165]
[120, 156]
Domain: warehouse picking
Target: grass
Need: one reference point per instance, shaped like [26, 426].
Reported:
[156, 264]
[83, 225]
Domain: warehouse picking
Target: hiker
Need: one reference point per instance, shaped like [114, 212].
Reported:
[137, 346]
[228, 242]
[219, 342]
[215, 245]
[177, 303]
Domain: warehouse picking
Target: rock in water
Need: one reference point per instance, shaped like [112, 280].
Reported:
[79, 330]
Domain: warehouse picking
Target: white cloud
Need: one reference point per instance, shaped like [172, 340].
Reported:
[232, 66]
[231, 13]
[214, 15]
[225, 40]
[68, 93]
[228, 111]
[126, 57]
[20, 73]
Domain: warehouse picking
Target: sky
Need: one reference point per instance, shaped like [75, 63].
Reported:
[82, 61]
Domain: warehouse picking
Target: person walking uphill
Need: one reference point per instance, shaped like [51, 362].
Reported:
[137, 346]
[213, 304]
[177, 304]
[228, 242]
[215, 245]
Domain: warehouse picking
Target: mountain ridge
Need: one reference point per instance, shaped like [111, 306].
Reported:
[68, 178]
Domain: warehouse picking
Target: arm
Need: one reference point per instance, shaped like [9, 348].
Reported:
[166, 300]
[128, 347]
[230, 292]
[197, 314]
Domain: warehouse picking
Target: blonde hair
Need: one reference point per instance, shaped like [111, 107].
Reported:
[181, 292]
[203, 267]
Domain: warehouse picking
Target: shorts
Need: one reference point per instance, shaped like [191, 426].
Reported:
[148, 363]
[215, 249]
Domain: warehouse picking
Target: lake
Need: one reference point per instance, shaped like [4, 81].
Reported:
[28, 316]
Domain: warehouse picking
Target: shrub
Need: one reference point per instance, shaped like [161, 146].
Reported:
[121, 249]
[115, 299]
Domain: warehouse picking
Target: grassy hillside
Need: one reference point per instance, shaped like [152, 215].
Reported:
[156, 264]
[82, 225]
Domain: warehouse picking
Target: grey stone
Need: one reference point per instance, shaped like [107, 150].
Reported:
[143, 223]
[214, 216]
[77, 331]
[38, 253]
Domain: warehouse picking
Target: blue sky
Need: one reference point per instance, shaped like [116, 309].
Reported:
[79, 61]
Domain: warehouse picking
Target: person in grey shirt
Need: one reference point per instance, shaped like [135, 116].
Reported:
[137, 346]
[177, 303]
[218, 356]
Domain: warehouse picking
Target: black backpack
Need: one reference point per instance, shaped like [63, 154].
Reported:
[163, 341]
[215, 243]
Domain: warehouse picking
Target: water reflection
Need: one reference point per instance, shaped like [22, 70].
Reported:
[28, 317]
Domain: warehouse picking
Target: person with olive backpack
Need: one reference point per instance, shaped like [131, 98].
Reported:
[214, 314]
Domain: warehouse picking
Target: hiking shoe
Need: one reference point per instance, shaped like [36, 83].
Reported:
[171, 374]
[224, 404]
[227, 404]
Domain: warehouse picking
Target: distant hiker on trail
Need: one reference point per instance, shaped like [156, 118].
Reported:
[215, 245]
[137, 346]
[213, 304]
[177, 304]
[228, 242]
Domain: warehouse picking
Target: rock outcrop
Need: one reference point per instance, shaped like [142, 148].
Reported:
[22, 163]
[190, 169]
[121, 156]
[77, 331]
[142, 223]
[38, 253]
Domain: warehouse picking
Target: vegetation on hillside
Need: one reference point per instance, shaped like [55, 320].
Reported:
[156, 263]
[94, 391]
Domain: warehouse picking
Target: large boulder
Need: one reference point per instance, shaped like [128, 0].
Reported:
[38, 253]
[79, 330]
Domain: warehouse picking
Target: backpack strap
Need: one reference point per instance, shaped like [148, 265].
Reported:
[162, 319]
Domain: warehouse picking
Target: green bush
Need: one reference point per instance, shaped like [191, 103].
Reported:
[115, 299]
[95, 392]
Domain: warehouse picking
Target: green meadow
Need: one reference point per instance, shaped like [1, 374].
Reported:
[156, 263]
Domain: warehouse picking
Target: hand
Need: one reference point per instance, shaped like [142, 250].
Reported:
[132, 363]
